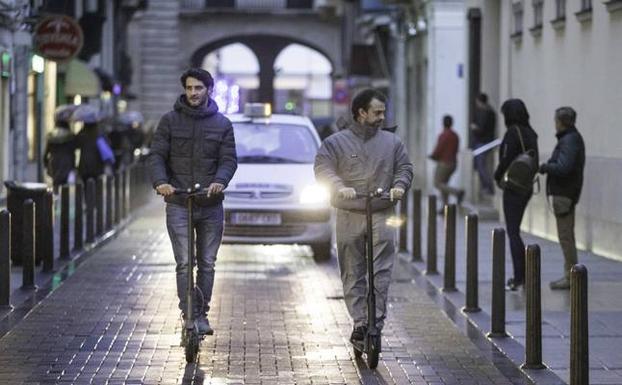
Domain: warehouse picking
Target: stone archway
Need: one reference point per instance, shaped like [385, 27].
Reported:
[266, 48]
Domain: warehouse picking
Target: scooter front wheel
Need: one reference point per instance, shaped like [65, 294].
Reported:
[192, 346]
[374, 352]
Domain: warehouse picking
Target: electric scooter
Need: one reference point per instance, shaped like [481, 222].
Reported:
[371, 344]
[190, 336]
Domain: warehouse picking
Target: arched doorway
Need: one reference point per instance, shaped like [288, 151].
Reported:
[302, 82]
[236, 76]
[266, 49]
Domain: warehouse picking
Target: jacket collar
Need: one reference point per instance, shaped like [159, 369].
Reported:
[208, 109]
[363, 131]
[567, 131]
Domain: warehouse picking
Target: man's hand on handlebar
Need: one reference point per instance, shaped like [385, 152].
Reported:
[215, 189]
[396, 193]
[347, 193]
[165, 189]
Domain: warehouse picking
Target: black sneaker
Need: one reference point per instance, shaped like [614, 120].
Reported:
[203, 325]
[513, 284]
[358, 334]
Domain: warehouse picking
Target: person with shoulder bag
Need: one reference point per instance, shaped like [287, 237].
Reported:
[564, 181]
[518, 160]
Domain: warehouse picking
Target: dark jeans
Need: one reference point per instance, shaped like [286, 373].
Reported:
[514, 205]
[208, 225]
[482, 165]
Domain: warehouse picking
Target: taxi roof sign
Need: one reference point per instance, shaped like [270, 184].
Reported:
[257, 110]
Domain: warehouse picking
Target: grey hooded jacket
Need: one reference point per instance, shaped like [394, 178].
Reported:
[365, 159]
[192, 145]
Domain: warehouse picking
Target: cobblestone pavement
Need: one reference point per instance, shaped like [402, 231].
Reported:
[279, 319]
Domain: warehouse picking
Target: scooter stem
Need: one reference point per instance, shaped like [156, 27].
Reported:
[371, 295]
[190, 285]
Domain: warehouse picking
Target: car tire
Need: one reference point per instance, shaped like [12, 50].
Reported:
[322, 252]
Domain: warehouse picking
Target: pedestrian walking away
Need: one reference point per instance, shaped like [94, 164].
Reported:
[194, 144]
[59, 156]
[564, 180]
[518, 138]
[353, 162]
[445, 155]
[483, 132]
[93, 161]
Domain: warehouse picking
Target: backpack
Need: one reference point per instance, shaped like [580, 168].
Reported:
[521, 173]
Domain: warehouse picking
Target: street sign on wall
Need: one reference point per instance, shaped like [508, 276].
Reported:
[58, 38]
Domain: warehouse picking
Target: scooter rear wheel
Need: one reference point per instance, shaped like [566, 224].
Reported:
[374, 352]
[192, 346]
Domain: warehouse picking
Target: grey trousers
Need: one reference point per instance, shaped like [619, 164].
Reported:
[209, 223]
[442, 174]
[565, 233]
[351, 228]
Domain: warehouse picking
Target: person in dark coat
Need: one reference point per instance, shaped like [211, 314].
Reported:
[194, 144]
[59, 156]
[91, 164]
[514, 202]
[564, 181]
[483, 132]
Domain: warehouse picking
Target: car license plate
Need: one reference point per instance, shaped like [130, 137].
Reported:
[256, 219]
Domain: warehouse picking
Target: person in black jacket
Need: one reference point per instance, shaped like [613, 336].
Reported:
[91, 164]
[194, 144]
[514, 202]
[563, 183]
[59, 157]
[483, 132]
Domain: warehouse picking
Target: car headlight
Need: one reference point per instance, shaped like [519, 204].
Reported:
[313, 194]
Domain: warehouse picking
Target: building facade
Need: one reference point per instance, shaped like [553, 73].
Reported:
[553, 53]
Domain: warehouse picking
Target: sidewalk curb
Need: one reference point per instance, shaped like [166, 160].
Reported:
[48, 282]
[480, 321]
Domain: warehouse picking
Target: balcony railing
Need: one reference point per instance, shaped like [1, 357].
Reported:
[247, 4]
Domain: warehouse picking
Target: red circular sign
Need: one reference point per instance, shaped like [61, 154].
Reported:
[58, 38]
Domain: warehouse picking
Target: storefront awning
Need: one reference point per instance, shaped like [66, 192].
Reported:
[81, 80]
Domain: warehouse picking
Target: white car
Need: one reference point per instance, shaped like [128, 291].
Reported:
[273, 197]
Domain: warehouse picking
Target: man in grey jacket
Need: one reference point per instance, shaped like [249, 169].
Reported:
[194, 144]
[356, 160]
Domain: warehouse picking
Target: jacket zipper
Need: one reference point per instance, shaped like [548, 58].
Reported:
[194, 141]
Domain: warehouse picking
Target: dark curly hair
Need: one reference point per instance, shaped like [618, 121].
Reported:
[200, 74]
[363, 98]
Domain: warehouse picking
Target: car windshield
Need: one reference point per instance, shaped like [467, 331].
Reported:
[274, 143]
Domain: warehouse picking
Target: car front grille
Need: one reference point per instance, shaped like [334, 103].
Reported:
[287, 230]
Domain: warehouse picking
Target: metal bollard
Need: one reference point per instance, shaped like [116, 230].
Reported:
[90, 211]
[109, 196]
[99, 206]
[404, 227]
[579, 335]
[472, 305]
[117, 197]
[449, 277]
[498, 285]
[78, 224]
[64, 222]
[533, 305]
[126, 192]
[416, 233]
[28, 246]
[47, 241]
[5, 259]
[431, 261]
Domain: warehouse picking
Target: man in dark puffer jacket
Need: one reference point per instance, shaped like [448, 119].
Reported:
[563, 183]
[193, 144]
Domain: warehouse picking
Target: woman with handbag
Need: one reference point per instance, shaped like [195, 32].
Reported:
[519, 138]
